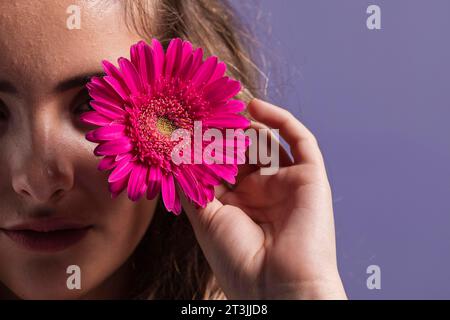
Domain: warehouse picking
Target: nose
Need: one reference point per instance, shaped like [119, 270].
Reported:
[42, 182]
[42, 173]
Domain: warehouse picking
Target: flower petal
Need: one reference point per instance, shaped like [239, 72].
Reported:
[119, 87]
[197, 58]
[206, 175]
[154, 182]
[134, 54]
[158, 57]
[177, 204]
[114, 147]
[187, 52]
[188, 184]
[227, 172]
[219, 72]
[230, 106]
[110, 111]
[221, 90]
[109, 132]
[93, 117]
[215, 88]
[122, 170]
[123, 156]
[117, 187]
[206, 180]
[186, 68]
[168, 191]
[173, 57]
[146, 65]
[106, 163]
[137, 184]
[205, 71]
[131, 77]
[111, 70]
[101, 91]
[232, 121]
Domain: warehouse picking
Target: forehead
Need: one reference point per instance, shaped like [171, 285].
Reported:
[37, 46]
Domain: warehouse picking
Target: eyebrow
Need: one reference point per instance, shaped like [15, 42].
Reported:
[73, 82]
[77, 81]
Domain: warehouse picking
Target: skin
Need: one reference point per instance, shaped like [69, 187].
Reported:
[272, 236]
[269, 237]
[46, 163]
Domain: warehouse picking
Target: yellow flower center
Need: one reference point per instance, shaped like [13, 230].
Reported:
[165, 126]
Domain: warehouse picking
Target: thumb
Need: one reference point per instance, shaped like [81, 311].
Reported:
[200, 218]
[219, 228]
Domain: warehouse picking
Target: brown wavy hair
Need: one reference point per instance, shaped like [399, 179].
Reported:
[168, 262]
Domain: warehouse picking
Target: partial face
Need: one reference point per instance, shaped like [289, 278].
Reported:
[55, 207]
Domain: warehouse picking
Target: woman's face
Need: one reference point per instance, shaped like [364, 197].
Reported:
[55, 207]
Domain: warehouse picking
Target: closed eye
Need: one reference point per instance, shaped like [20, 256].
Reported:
[4, 114]
[81, 103]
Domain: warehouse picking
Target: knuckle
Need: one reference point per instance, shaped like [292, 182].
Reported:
[314, 174]
[287, 115]
[312, 139]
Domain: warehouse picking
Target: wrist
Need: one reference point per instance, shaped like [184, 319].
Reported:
[330, 288]
[322, 289]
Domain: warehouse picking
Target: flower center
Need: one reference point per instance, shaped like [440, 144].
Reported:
[153, 118]
[165, 126]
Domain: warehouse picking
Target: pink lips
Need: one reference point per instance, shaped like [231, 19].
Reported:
[47, 235]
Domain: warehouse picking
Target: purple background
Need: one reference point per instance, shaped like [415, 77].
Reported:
[379, 104]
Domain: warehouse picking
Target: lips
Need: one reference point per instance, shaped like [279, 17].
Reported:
[48, 235]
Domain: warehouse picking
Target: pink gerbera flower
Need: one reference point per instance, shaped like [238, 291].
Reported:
[141, 103]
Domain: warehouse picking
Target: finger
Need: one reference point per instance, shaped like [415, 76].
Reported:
[216, 224]
[228, 237]
[303, 144]
[211, 215]
[221, 189]
[284, 157]
[198, 215]
[272, 145]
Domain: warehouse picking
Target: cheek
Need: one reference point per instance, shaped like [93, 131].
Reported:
[120, 219]
[121, 222]
[123, 225]
[126, 222]
[87, 177]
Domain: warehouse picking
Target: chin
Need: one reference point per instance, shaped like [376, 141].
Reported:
[42, 289]
[44, 278]
[49, 293]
